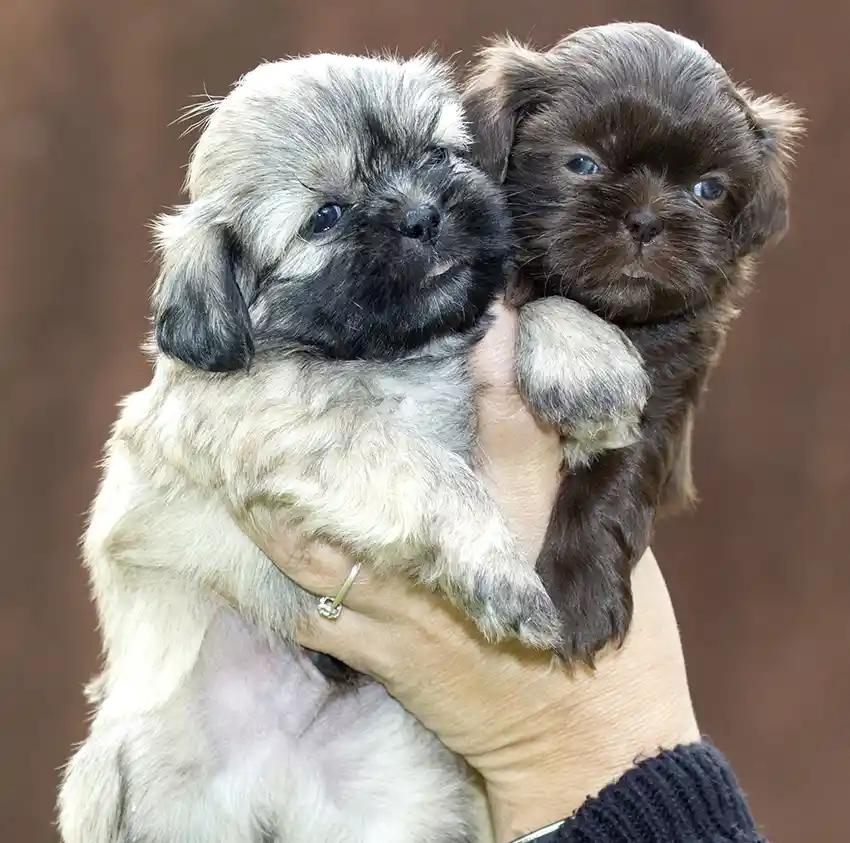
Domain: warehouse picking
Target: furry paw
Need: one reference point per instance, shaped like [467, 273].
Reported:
[580, 374]
[594, 607]
[600, 527]
[589, 438]
[92, 795]
[510, 607]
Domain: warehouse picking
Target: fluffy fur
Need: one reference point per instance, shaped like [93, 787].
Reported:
[316, 304]
[642, 184]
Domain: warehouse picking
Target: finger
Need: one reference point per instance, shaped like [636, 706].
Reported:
[315, 566]
[492, 358]
[356, 640]
[502, 414]
[323, 570]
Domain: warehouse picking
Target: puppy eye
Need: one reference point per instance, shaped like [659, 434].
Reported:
[326, 218]
[437, 155]
[709, 190]
[582, 165]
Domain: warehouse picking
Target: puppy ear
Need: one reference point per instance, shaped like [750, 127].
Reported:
[778, 126]
[507, 82]
[200, 315]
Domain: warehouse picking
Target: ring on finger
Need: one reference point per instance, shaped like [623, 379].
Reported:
[330, 608]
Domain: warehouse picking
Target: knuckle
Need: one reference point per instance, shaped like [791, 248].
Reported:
[313, 565]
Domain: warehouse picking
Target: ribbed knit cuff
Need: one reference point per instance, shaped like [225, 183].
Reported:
[688, 794]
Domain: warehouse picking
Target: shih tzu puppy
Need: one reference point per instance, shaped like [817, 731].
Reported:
[642, 183]
[317, 300]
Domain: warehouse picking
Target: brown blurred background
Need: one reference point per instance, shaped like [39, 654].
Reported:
[759, 575]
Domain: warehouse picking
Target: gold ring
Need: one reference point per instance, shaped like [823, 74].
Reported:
[330, 608]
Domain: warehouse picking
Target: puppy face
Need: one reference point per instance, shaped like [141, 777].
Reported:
[638, 174]
[332, 209]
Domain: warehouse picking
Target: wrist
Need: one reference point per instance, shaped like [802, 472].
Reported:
[634, 705]
[546, 788]
[524, 806]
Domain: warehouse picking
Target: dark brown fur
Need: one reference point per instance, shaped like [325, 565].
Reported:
[658, 115]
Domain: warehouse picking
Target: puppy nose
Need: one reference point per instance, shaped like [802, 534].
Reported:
[420, 223]
[644, 225]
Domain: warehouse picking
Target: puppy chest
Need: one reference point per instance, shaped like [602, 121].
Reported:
[438, 409]
[249, 693]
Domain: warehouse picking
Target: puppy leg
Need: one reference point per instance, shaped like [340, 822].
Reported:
[599, 529]
[481, 568]
[603, 516]
[580, 374]
[583, 376]
[422, 508]
[92, 795]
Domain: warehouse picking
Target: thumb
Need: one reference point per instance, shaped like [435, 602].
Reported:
[506, 428]
[520, 458]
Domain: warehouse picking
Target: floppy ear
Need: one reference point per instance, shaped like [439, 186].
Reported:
[778, 126]
[507, 82]
[200, 315]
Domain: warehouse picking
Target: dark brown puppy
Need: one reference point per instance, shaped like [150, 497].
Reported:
[642, 184]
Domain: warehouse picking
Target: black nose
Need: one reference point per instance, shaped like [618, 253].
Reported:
[643, 225]
[420, 223]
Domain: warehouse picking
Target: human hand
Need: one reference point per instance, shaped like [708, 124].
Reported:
[543, 738]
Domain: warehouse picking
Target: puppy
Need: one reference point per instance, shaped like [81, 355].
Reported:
[316, 304]
[642, 183]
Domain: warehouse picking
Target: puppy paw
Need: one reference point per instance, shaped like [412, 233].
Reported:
[502, 611]
[505, 607]
[595, 611]
[580, 374]
[588, 438]
[588, 576]
[93, 792]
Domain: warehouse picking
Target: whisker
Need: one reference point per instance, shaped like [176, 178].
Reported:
[202, 110]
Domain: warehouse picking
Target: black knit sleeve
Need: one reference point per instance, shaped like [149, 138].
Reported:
[685, 795]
